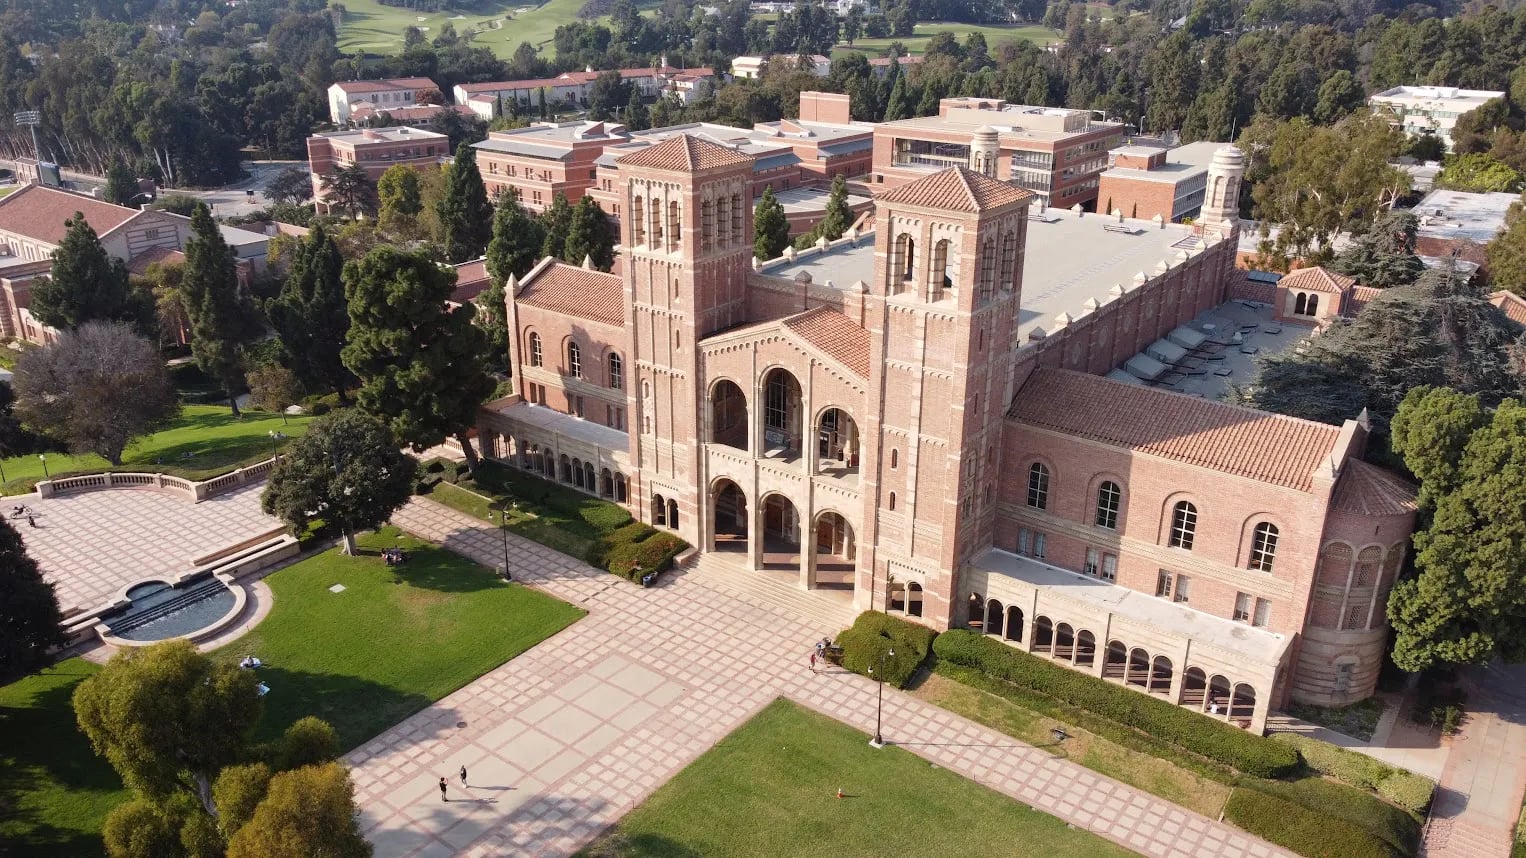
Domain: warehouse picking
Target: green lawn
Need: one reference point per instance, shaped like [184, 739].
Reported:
[995, 35]
[54, 791]
[204, 441]
[501, 25]
[549, 513]
[768, 790]
[394, 641]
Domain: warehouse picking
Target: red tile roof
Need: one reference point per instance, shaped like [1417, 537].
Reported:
[354, 86]
[956, 189]
[38, 212]
[1369, 490]
[1316, 279]
[471, 280]
[841, 338]
[140, 263]
[1512, 304]
[576, 291]
[1359, 298]
[684, 152]
[1266, 447]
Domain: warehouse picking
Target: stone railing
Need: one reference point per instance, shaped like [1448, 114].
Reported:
[184, 489]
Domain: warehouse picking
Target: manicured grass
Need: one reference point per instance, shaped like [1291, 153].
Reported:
[995, 35]
[501, 25]
[54, 791]
[394, 641]
[204, 441]
[768, 790]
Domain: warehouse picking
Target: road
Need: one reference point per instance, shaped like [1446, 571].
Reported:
[227, 201]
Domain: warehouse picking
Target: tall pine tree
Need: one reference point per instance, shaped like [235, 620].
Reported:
[589, 236]
[221, 315]
[770, 229]
[556, 221]
[839, 215]
[311, 315]
[514, 250]
[87, 284]
[422, 366]
[466, 216]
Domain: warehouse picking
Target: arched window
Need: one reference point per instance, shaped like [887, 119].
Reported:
[638, 222]
[577, 473]
[1367, 565]
[1301, 305]
[942, 276]
[1009, 262]
[566, 468]
[574, 360]
[1334, 565]
[1183, 525]
[1038, 486]
[672, 513]
[588, 477]
[616, 372]
[1314, 305]
[738, 225]
[902, 262]
[535, 353]
[722, 221]
[1108, 498]
[987, 269]
[674, 229]
[895, 459]
[706, 224]
[620, 488]
[656, 225]
[1263, 547]
[659, 510]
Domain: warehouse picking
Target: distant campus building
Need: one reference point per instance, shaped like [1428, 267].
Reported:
[962, 414]
[1429, 110]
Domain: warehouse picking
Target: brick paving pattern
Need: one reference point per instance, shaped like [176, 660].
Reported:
[93, 544]
[1479, 797]
[562, 741]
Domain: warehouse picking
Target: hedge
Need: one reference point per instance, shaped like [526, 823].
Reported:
[874, 634]
[636, 546]
[1406, 789]
[1246, 752]
[1398, 828]
[1307, 832]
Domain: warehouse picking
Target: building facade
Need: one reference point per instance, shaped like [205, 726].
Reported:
[379, 95]
[888, 416]
[545, 159]
[1428, 110]
[372, 149]
[1145, 181]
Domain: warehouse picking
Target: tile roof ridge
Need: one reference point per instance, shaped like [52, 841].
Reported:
[1219, 403]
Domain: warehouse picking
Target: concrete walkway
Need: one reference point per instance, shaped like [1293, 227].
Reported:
[1479, 800]
[562, 741]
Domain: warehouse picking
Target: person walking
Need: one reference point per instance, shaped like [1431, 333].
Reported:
[813, 661]
[443, 796]
[31, 522]
[463, 776]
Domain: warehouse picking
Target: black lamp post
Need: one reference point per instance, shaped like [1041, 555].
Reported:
[275, 439]
[503, 528]
[879, 703]
[43, 458]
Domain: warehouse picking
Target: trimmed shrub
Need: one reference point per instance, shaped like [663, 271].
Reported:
[1300, 829]
[1399, 829]
[636, 546]
[1406, 789]
[1246, 752]
[874, 634]
[435, 466]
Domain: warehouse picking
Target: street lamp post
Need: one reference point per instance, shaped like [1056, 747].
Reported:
[43, 458]
[503, 528]
[275, 439]
[879, 703]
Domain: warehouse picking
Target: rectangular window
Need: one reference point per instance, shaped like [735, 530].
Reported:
[1242, 607]
[1183, 589]
[577, 406]
[1093, 561]
[1023, 538]
[609, 416]
[1039, 542]
[1263, 612]
[1109, 567]
[1163, 584]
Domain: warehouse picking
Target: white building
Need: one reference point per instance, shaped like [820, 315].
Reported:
[380, 95]
[1429, 109]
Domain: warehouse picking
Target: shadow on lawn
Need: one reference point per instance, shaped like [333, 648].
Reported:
[618, 845]
[358, 709]
[42, 743]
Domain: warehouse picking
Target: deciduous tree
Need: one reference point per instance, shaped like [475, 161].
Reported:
[1479, 173]
[291, 186]
[349, 189]
[96, 389]
[30, 621]
[221, 316]
[305, 812]
[346, 470]
[1506, 254]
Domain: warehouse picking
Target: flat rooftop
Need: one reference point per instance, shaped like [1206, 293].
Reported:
[803, 200]
[1183, 162]
[395, 134]
[1008, 125]
[1462, 215]
[1448, 94]
[1070, 259]
[1261, 646]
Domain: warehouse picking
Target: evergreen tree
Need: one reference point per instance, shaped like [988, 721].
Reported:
[87, 284]
[466, 216]
[422, 366]
[1384, 256]
[636, 118]
[311, 315]
[514, 250]
[30, 622]
[400, 191]
[221, 318]
[898, 103]
[121, 184]
[589, 236]
[556, 223]
[770, 229]
[839, 215]
[349, 189]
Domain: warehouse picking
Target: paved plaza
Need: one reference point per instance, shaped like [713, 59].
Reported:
[562, 741]
[1476, 806]
[92, 544]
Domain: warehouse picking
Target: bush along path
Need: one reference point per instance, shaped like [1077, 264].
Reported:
[702, 661]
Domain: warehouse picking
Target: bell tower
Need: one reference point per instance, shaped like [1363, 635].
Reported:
[942, 316]
[688, 244]
[1221, 206]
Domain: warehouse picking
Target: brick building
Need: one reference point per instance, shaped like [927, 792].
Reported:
[374, 149]
[1145, 181]
[545, 159]
[1056, 153]
[920, 414]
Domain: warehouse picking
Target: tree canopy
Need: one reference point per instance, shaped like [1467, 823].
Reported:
[30, 621]
[87, 284]
[1384, 255]
[1464, 605]
[770, 229]
[312, 316]
[589, 236]
[305, 812]
[347, 470]
[221, 316]
[466, 216]
[96, 388]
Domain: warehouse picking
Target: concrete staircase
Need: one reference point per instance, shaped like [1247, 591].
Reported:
[1445, 838]
[830, 611]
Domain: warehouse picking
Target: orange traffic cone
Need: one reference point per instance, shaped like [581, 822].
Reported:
[839, 792]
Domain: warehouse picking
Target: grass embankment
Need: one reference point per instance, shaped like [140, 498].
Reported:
[768, 790]
[395, 640]
[916, 44]
[500, 26]
[203, 442]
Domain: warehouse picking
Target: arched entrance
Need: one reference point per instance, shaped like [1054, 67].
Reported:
[1242, 706]
[1161, 674]
[994, 617]
[914, 599]
[730, 522]
[1218, 697]
[1064, 642]
[1117, 661]
[781, 533]
[836, 551]
[1043, 635]
[975, 612]
[1194, 688]
[1014, 623]
[781, 414]
[728, 415]
[1086, 649]
[1139, 668]
[837, 446]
